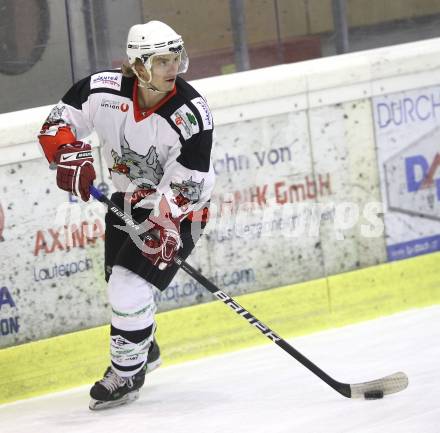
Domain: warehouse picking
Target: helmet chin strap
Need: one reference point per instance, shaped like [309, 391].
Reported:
[146, 84]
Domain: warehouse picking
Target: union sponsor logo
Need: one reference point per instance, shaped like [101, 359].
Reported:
[115, 105]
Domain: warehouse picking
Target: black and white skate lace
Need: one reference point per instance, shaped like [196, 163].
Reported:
[113, 382]
[114, 390]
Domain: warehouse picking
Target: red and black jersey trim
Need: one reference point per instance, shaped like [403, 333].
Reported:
[142, 113]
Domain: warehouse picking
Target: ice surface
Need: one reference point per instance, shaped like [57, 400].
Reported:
[264, 390]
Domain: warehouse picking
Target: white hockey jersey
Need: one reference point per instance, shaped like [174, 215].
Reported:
[166, 148]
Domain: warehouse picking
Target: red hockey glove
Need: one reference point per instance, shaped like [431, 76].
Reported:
[75, 171]
[161, 251]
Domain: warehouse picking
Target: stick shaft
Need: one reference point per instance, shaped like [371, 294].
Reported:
[342, 388]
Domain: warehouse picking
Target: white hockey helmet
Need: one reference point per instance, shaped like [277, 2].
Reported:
[155, 38]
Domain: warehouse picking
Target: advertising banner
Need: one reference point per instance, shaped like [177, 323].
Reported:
[51, 248]
[407, 126]
[52, 258]
[285, 184]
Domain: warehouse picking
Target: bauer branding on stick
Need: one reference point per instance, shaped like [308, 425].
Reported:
[373, 389]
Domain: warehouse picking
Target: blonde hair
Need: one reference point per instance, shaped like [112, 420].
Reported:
[127, 70]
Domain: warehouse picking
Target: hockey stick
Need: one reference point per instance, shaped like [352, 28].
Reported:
[369, 390]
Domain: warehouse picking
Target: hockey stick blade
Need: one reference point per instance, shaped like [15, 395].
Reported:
[380, 387]
[369, 390]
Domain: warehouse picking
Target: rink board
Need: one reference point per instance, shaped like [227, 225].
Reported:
[189, 333]
[315, 137]
[273, 174]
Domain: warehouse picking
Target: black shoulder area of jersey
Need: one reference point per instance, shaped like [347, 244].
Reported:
[184, 94]
[185, 90]
[196, 147]
[80, 91]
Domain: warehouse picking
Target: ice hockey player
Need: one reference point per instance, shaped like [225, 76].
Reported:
[155, 131]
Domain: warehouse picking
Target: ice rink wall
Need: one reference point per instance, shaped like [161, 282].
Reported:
[302, 154]
[324, 167]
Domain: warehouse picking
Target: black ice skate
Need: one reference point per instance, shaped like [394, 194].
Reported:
[113, 390]
[153, 359]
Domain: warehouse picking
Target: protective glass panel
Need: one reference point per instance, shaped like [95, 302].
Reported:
[54, 43]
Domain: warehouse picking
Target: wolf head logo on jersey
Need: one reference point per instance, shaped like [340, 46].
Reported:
[136, 166]
[55, 117]
[186, 192]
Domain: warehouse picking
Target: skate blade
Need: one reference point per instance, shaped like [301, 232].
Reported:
[101, 405]
[151, 366]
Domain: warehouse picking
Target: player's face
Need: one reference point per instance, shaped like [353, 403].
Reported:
[164, 71]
